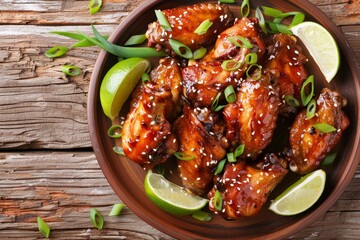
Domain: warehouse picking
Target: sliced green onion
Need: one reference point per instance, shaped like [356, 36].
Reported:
[226, 1]
[324, 127]
[311, 109]
[219, 108]
[230, 157]
[255, 76]
[245, 8]
[298, 17]
[199, 53]
[164, 23]
[136, 39]
[239, 150]
[160, 169]
[181, 49]
[260, 16]
[251, 58]
[202, 216]
[94, 6]
[218, 200]
[145, 78]
[56, 51]
[244, 42]
[182, 156]
[203, 27]
[119, 150]
[71, 70]
[116, 209]
[231, 65]
[43, 227]
[291, 101]
[96, 218]
[272, 12]
[306, 98]
[78, 36]
[279, 28]
[329, 159]
[220, 167]
[230, 94]
[112, 131]
[215, 102]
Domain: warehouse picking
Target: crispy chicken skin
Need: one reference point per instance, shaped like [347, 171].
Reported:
[204, 79]
[146, 134]
[309, 146]
[184, 21]
[244, 188]
[251, 120]
[194, 140]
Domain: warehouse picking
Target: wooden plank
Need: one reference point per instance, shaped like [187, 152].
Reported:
[62, 187]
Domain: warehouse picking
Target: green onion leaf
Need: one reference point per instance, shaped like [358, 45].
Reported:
[306, 98]
[94, 6]
[215, 102]
[96, 218]
[231, 65]
[329, 159]
[145, 78]
[220, 167]
[78, 36]
[291, 101]
[112, 131]
[136, 39]
[244, 42]
[279, 28]
[219, 108]
[260, 16]
[245, 8]
[43, 227]
[256, 75]
[182, 156]
[324, 127]
[251, 58]
[202, 216]
[272, 12]
[56, 51]
[181, 49]
[164, 23]
[119, 150]
[218, 200]
[199, 53]
[311, 109]
[230, 95]
[203, 27]
[226, 1]
[230, 157]
[298, 17]
[239, 150]
[71, 70]
[116, 209]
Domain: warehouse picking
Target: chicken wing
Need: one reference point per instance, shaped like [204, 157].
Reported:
[184, 21]
[146, 134]
[195, 141]
[244, 189]
[251, 120]
[309, 146]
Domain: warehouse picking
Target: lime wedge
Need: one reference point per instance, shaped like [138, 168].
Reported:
[118, 84]
[171, 197]
[321, 45]
[301, 195]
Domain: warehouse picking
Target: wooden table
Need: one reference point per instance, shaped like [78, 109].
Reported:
[47, 166]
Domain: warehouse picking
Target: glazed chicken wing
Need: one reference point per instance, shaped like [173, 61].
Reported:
[309, 146]
[195, 141]
[251, 120]
[244, 189]
[184, 21]
[146, 134]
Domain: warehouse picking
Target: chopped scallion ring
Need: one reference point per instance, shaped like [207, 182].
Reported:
[112, 131]
[200, 53]
[260, 16]
[324, 127]
[71, 70]
[279, 28]
[256, 75]
[119, 150]
[181, 49]
[203, 27]
[245, 8]
[220, 167]
[231, 65]
[311, 109]
[43, 227]
[116, 209]
[182, 156]
[215, 102]
[251, 58]
[219, 108]
[291, 101]
[230, 94]
[239, 150]
[218, 202]
[94, 6]
[56, 51]
[136, 39]
[145, 78]
[244, 42]
[202, 216]
[329, 159]
[164, 23]
[272, 12]
[96, 218]
[226, 1]
[306, 98]
[230, 157]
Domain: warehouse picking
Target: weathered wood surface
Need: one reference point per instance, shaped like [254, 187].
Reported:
[54, 173]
